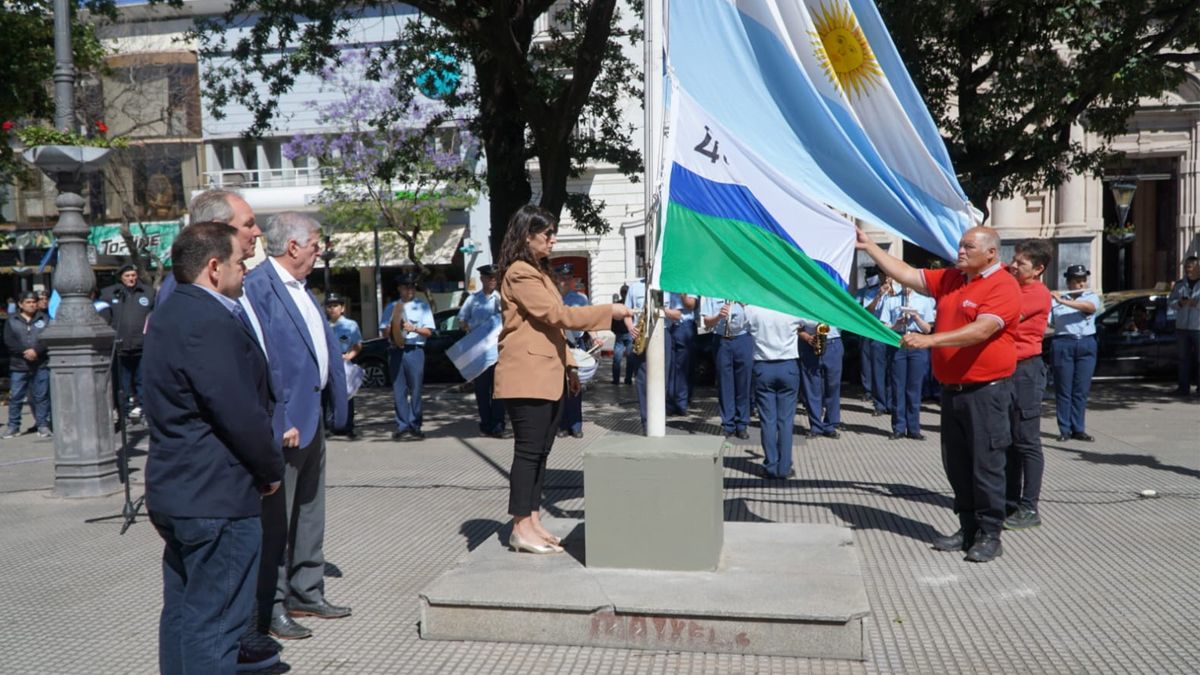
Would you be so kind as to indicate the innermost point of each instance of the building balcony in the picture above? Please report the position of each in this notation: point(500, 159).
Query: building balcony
point(270, 190)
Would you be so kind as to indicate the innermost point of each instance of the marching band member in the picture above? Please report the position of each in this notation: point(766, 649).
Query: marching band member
point(821, 377)
point(911, 313)
point(776, 385)
point(1074, 356)
point(734, 360)
point(680, 311)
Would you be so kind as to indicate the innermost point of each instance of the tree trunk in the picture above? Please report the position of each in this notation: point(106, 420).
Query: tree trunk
point(555, 166)
point(504, 148)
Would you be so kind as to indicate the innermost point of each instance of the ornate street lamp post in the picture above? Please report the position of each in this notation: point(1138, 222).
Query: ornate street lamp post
point(78, 340)
point(1122, 192)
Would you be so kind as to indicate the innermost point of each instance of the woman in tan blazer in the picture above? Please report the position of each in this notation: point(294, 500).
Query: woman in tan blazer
point(535, 368)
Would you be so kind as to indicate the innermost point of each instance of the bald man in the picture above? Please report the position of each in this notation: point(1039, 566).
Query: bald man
point(974, 357)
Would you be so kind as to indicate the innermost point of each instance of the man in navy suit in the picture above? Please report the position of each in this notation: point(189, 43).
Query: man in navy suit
point(212, 453)
point(306, 367)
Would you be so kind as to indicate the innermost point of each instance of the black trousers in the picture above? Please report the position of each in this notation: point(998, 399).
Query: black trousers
point(1025, 461)
point(976, 433)
point(534, 425)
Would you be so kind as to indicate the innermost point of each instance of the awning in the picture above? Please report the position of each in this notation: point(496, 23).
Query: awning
point(357, 249)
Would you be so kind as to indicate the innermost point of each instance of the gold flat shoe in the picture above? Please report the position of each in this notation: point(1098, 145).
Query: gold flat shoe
point(518, 544)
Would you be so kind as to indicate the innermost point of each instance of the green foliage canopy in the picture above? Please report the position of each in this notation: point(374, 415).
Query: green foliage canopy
point(553, 98)
point(1005, 81)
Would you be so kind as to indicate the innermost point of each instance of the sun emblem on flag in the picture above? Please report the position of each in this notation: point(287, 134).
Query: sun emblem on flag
point(843, 50)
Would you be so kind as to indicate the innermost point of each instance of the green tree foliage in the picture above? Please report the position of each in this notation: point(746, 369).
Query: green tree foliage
point(523, 95)
point(1006, 80)
point(27, 66)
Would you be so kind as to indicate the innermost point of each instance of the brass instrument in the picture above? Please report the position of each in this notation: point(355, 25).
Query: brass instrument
point(643, 329)
point(819, 339)
point(729, 320)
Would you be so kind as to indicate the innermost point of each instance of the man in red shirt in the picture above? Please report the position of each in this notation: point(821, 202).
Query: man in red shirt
point(1025, 462)
point(974, 357)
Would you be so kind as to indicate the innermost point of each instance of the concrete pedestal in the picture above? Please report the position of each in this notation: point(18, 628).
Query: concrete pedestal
point(780, 589)
point(654, 503)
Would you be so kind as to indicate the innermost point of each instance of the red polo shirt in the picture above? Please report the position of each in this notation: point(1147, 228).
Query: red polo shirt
point(994, 295)
point(1035, 312)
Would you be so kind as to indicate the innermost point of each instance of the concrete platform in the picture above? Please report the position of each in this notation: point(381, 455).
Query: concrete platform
point(780, 590)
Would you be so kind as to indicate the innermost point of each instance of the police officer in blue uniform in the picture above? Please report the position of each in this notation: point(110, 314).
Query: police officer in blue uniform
point(349, 340)
point(680, 312)
point(483, 307)
point(406, 336)
point(909, 312)
point(570, 423)
point(821, 378)
point(734, 359)
point(1073, 351)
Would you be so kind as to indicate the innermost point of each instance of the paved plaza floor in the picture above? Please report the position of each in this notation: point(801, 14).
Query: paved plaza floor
point(1108, 584)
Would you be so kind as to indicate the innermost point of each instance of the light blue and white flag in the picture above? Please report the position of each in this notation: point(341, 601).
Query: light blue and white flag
point(816, 89)
point(478, 350)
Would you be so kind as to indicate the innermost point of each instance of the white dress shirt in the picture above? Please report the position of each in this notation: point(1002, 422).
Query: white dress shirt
point(312, 318)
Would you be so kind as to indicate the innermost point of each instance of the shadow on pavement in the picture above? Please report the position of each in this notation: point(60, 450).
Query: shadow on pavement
point(479, 530)
point(1126, 459)
point(869, 518)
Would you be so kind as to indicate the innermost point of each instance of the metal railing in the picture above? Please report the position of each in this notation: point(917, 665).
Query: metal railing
point(300, 176)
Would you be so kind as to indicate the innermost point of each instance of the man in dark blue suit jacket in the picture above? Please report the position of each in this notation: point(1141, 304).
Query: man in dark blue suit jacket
point(306, 367)
point(212, 453)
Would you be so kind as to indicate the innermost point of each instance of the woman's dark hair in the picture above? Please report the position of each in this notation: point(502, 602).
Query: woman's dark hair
point(527, 221)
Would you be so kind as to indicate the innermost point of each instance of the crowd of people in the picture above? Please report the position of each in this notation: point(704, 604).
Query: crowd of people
point(243, 375)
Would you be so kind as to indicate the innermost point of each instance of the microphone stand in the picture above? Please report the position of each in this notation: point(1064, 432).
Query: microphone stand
point(130, 509)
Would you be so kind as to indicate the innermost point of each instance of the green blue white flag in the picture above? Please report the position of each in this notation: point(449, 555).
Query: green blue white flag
point(736, 228)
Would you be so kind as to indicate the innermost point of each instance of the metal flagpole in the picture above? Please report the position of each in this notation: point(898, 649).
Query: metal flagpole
point(656, 389)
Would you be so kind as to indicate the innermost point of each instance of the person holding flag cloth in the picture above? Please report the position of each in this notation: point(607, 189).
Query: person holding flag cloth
point(973, 353)
point(482, 308)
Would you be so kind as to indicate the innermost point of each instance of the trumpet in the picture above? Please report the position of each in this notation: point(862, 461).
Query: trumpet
point(822, 334)
point(729, 320)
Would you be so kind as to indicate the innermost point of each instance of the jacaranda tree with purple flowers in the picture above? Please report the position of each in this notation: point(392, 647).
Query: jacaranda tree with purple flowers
point(542, 82)
point(398, 164)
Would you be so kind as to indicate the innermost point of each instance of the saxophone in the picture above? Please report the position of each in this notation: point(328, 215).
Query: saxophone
point(819, 339)
point(643, 329)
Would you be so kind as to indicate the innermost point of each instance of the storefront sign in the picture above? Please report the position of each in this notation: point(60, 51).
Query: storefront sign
point(154, 239)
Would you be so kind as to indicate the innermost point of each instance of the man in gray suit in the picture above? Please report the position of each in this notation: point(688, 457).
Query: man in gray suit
point(306, 366)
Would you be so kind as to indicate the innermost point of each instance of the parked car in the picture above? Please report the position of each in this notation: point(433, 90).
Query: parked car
point(1135, 334)
point(438, 368)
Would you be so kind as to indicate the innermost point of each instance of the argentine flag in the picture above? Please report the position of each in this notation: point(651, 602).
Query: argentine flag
point(478, 350)
point(736, 228)
point(816, 89)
